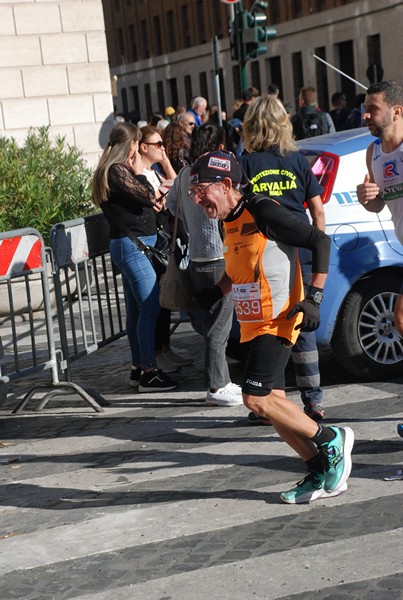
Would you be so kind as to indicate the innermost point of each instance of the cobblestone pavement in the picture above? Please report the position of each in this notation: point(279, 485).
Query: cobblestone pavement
point(163, 498)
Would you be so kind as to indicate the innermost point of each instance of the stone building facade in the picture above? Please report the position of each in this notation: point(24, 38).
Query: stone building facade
point(54, 71)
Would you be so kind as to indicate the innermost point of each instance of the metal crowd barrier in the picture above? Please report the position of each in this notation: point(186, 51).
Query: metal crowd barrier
point(88, 288)
point(77, 276)
point(27, 330)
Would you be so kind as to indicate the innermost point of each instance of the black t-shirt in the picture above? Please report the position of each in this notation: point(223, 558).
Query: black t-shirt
point(129, 204)
point(287, 179)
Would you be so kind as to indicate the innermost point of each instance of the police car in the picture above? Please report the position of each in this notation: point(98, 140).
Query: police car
point(366, 261)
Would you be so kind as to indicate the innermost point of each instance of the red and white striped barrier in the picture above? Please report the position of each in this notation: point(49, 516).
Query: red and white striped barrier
point(19, 254)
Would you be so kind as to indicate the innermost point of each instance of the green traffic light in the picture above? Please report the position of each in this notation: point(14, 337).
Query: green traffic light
point(266, 33)
point(249, 33)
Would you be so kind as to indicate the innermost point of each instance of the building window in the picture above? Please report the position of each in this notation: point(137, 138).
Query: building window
point(149, 103)
point(132, 44)
point(374, 57)
point(121, 45)
point(173, 86)
point(125, 104)
point(201, 25)
point(157, 36)
point(345, 51)
point(219, 31)
point(185, 26)
point(255, 74)
point(135, 96)
point(188, 89)
point(171, 31)
point(203, 84)
point(321, 80)
point(144, 38)
point(160, 96)
point(296, 9)
point(274, 10)
point(222, 90)
point(274, 75)
point(297, 73)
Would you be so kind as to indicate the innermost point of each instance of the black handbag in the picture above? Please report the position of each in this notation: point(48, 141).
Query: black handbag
point(158, 258)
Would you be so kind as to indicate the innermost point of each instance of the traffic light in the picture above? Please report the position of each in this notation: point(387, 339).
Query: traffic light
point(255, 32)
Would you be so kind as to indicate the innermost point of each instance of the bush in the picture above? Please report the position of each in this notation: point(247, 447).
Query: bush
point(42, 183)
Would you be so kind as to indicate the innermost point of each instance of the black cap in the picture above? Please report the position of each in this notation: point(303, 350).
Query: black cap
point(214, 166)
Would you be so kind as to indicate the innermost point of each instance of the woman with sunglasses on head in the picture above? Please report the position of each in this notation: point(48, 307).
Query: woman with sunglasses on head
point(129, 204)
point(160, 174)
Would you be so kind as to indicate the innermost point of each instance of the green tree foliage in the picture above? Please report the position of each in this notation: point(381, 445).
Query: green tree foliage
point(42, 183)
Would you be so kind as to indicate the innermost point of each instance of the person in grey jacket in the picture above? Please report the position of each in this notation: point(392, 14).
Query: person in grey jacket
point(206, 267)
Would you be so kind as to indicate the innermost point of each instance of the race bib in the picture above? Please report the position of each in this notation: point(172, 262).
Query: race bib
point(247, 301)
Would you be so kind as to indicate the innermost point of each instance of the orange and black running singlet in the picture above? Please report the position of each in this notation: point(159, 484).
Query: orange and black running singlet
point(266, 280)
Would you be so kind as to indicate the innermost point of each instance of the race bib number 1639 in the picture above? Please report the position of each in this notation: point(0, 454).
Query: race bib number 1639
point(247, 301)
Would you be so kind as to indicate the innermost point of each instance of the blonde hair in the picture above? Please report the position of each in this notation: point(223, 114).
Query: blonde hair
point(266, 124)
point(116, 152)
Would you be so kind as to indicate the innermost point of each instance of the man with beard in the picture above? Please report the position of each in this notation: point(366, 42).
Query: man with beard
point(383, 184)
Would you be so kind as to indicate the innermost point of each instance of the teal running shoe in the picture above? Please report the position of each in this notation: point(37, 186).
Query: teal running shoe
point(336, 457)
point(310, 488)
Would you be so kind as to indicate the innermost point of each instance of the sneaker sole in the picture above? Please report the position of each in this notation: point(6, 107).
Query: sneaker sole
point(321, 494)
point(143, 389)
point(347, 449)
point(218, 403)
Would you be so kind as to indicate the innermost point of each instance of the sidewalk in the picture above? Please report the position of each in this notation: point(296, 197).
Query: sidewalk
point(161, 497)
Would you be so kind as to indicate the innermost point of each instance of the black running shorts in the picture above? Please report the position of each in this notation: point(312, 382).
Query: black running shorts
point(266, 358)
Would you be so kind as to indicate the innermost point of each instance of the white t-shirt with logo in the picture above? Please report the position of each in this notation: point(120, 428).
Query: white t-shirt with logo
point(387, 168)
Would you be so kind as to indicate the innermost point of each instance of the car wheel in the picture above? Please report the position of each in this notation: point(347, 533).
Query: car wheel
point(366, 342)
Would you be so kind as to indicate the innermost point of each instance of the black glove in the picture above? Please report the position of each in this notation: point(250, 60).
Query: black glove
point(311, 310)
point(207, 297)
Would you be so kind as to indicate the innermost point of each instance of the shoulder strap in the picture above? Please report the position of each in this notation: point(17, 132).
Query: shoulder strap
point(175, 227)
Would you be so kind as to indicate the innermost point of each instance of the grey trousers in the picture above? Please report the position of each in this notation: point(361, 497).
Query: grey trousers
point(214, 325)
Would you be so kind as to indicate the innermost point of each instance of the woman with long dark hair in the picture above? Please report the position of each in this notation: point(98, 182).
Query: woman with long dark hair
point(130, 205)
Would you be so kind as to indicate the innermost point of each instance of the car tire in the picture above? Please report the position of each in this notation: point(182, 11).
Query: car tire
point(365, 341)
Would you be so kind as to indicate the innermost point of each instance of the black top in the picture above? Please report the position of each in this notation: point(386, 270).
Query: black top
point(288, 178)
point(129, 204)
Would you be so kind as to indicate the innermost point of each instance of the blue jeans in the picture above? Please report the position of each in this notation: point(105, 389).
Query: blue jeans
point(141, 297)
